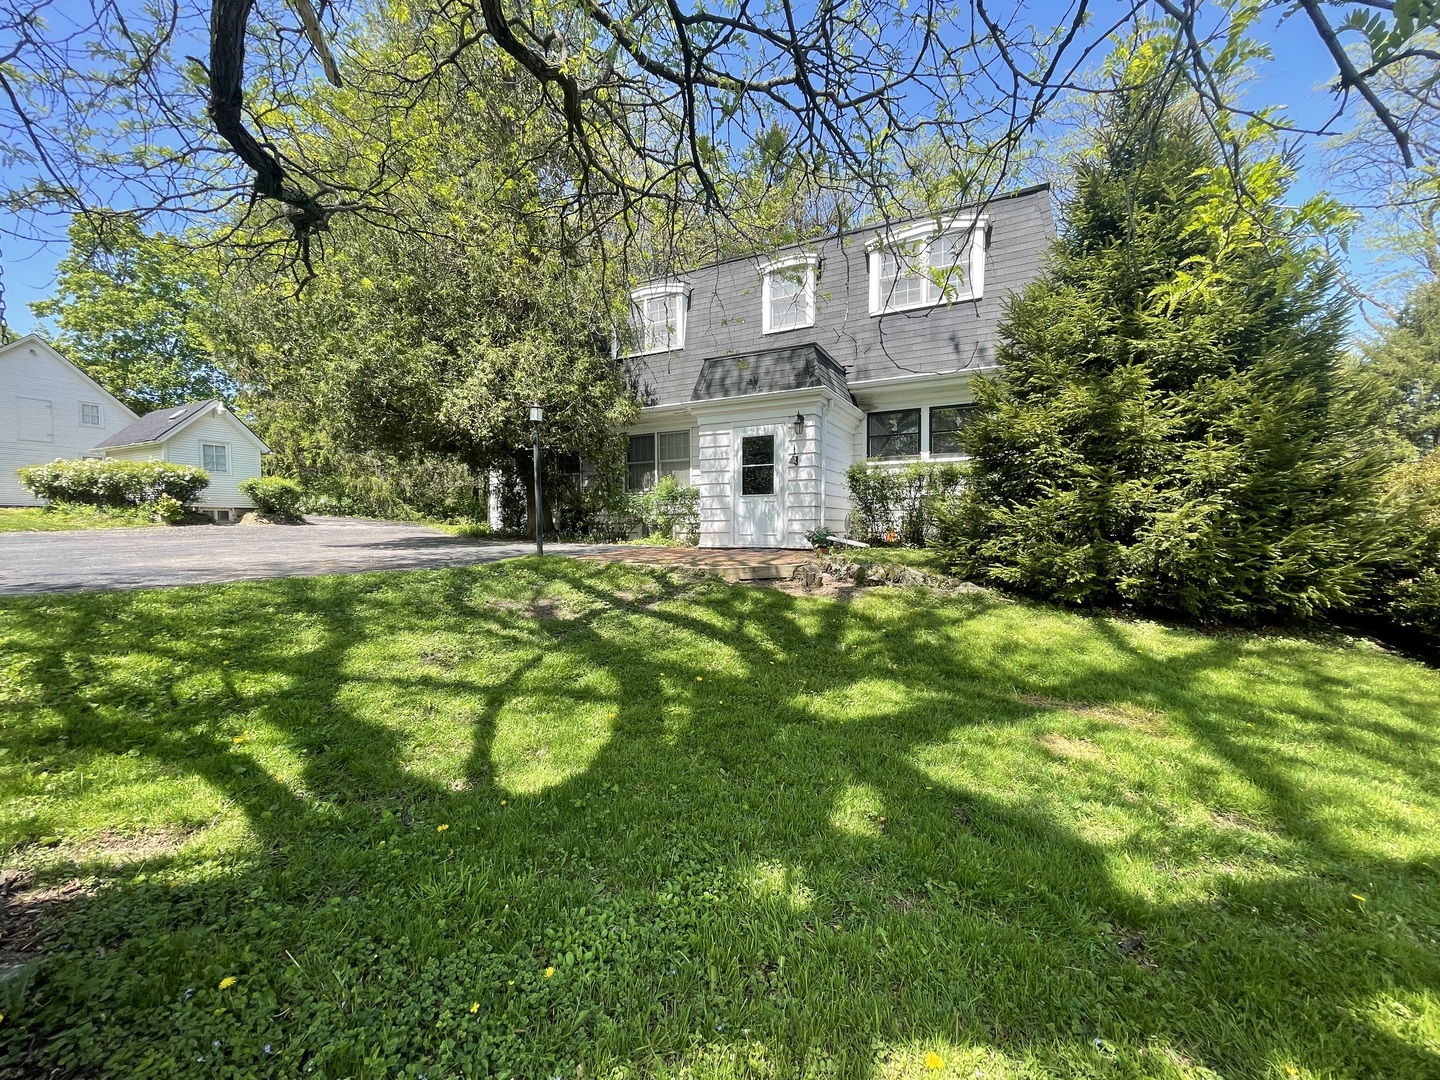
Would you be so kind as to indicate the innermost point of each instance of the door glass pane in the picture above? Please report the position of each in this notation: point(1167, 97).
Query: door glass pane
point(757, 465)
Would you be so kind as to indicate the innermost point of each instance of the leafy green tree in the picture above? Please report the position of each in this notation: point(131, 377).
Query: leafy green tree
point(127, 304)
point(1406, 359)
point(1173, 426)
point(427, 343)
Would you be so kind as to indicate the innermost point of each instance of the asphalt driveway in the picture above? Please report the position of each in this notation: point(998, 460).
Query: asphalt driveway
point(205, 554)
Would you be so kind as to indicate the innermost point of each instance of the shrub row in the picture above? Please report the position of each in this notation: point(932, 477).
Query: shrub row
point(105, 482)
point(891, 503)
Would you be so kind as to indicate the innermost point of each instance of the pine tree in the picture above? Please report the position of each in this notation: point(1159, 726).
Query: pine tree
point(1173, 426)
point(1406, 358)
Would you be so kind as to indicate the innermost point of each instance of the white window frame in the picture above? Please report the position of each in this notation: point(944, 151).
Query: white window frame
point(972, 285)
point(228, 456)
point(660, 462)
point(99, 414)
point(657, 463)
point(659, 290)
point(768, 271)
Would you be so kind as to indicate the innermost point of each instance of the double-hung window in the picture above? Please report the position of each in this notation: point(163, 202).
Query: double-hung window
point(660, 312)
point(650, 457)
point(215, 457)
point(788, 293)
point(925, 265)
point(893, 434)
point(89, 414)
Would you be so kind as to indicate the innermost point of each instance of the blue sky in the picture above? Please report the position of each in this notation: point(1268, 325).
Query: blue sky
point(1295, 78)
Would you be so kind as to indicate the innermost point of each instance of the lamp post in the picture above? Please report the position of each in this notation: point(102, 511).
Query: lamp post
point(537, 414)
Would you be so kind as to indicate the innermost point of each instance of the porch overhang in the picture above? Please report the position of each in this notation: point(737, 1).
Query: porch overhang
point(769, 372)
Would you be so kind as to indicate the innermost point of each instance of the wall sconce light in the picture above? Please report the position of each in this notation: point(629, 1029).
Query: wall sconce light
point(799, 424)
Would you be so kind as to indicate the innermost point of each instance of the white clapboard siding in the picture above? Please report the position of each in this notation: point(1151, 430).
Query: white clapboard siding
point(714, 483)
point(41, 394)
point(841, 428)
point(183, 448)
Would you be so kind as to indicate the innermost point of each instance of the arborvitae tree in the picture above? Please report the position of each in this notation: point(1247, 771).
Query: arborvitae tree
point(1173, 426)
point(1406, 358)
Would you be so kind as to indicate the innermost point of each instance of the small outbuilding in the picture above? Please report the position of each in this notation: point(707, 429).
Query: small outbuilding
point(203, 433)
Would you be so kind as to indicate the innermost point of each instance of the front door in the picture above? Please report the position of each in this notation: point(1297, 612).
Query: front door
point(759, 487)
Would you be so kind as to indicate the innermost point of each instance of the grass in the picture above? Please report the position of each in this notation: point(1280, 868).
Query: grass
point(62, 517)
point(549, 818)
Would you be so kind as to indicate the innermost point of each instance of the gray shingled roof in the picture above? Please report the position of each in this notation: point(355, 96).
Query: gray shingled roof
point(769, 371)
point(154, 426)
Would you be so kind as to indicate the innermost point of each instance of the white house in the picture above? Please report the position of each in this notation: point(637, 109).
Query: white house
point(203, 433)
point(49, 409)
point(763, 379)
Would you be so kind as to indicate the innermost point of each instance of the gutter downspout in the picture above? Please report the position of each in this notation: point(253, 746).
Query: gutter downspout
point(822, 457)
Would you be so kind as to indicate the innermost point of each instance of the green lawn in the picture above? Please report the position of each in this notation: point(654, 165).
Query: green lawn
point(553, 819)
point(61, 518)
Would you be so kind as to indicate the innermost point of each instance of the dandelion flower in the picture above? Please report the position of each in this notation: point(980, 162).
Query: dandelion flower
point(933, 1061)
point(227, 982)
point(475, 1007)
point(549, 971)
point(503, 801)
point(441, 828)
point(699, 679)
point(238, 739)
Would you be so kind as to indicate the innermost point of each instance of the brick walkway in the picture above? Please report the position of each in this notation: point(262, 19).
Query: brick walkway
point(733, 564)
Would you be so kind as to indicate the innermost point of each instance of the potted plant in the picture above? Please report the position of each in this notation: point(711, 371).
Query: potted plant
point(820, 539)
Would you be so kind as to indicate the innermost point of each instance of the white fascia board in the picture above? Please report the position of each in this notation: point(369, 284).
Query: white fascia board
point(652, 415)
point(738, 408)
point(920, 378)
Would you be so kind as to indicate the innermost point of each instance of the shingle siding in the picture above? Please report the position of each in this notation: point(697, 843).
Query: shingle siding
point(725, 310)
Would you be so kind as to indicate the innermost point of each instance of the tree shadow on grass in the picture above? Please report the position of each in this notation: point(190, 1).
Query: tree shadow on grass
point(745, 833)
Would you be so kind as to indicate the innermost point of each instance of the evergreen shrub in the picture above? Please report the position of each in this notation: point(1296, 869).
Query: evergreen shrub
point(274, 495)
point(1406, 590)
point(1173, 425)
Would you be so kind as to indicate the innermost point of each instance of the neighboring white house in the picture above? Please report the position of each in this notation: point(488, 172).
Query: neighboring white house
point(203, 433)
point(49, 409)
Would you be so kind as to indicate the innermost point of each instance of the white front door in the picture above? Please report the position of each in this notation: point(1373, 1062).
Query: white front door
point(759, 486)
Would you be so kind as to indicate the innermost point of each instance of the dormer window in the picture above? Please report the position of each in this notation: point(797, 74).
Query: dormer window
point(925, 265)
point(788, 293)
point(659, 313)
